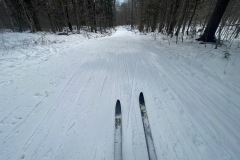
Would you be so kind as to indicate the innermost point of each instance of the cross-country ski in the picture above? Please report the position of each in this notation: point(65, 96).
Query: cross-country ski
point(118, 132)
point(147, 130)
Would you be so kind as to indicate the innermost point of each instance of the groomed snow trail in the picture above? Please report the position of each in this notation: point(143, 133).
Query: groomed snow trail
point(62, 107)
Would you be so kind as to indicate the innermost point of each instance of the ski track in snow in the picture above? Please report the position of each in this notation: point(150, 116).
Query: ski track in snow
point(62, 106)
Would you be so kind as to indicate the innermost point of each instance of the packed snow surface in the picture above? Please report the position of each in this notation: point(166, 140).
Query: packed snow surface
point(58, 102)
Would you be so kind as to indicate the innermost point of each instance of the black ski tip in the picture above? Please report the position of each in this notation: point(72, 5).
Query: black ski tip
point(118, 108)
point(141, 99)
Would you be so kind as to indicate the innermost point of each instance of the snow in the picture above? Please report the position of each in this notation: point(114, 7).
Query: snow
point(57, 100)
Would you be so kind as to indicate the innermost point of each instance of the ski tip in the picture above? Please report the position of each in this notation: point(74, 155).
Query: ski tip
point(141, 99)
point(118, 108)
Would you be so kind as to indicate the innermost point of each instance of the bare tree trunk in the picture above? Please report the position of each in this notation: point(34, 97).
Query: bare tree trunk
point(173, 20)
point(169, 16)
point(219, 35)
point(94, 17)
point(194, 10)
point(68, 19)
point(51, 23)
point(163, 17)
point(185, 20)
point(64, 13)
point(155, 16)
point(141, 26)
point(19, 16)
point(33, 14)
point(49, 14)
point(9, 16)
point(28, 17)
point(76, 14)
point(114, 13)
point(209, 32)
point(184, 9)
point(132, 15)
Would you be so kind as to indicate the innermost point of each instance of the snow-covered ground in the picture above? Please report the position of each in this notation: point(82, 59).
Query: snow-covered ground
point(57, 100)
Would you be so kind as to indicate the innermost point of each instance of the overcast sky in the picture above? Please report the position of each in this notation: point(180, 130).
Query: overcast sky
point(120, 1)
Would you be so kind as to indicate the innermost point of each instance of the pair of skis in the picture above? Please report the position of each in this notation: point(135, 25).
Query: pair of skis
point(146, 126)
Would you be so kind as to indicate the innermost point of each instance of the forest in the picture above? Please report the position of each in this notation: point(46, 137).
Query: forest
point(209, 18)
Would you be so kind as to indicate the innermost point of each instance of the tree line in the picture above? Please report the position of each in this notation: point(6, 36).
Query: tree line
point(183, 17)
point(54, 15)
point(171, 17)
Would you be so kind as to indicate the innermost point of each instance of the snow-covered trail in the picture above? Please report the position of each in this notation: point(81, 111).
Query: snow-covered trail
point(62, 107)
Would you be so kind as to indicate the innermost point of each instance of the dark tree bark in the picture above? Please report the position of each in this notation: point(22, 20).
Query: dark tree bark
point(76, 14)
point(169, 15)
point(185, 20)
point(68, 19)
point(9, 15)
point(180, 22)
point(51, 22)
point(209, 32)
point(28, 16)
point(194, 10)
point(141, 26)
point(132, 21)
point(19, 16)
point(50, 13)
point(33, 13)
point(155, 16)
point(173, 19)
point(114, 13)
point(94, 17)
point(162, 17)
point(82, 11)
